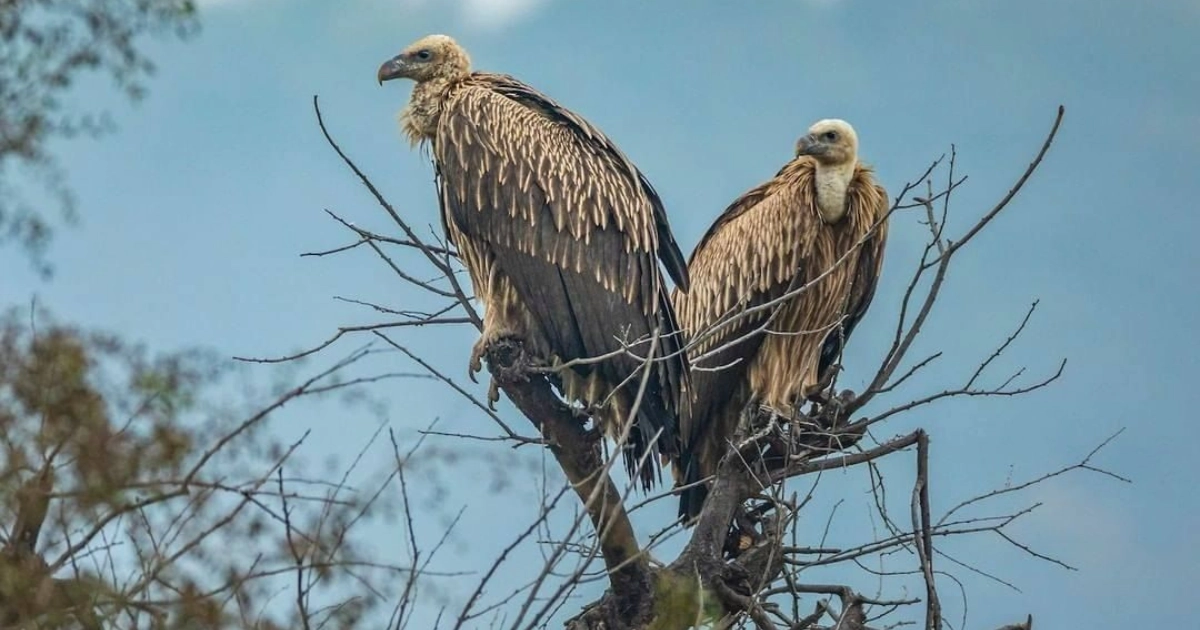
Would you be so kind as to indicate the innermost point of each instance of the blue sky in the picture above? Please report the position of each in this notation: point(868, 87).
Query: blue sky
point(195, 212)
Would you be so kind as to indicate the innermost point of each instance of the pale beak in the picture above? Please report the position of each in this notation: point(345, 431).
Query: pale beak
point(393, 68)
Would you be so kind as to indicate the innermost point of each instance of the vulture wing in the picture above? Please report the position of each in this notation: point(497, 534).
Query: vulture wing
point(576, 228)
point(734, 268)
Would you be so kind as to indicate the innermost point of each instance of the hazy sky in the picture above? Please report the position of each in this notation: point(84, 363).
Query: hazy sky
point(194, 215)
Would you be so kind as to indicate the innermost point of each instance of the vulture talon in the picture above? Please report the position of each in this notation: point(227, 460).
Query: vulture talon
point(820, 391)
point(493, 394)
point(476, 363)
point(480, 350)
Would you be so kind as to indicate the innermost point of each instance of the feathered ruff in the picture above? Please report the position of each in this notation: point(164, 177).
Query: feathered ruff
point(561, 233)
point(768, 242)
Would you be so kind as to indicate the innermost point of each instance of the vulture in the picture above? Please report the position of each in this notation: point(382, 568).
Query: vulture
point(820, 220)
point(562, 237)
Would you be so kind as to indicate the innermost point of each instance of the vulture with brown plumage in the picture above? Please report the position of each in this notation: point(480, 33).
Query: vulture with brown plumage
point(561, 235)
point(820, 220)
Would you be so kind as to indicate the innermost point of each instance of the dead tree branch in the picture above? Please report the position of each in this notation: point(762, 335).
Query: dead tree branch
point(734, 566)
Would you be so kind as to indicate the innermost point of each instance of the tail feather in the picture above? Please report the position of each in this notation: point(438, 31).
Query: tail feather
point(655, 433)
point(691, 500)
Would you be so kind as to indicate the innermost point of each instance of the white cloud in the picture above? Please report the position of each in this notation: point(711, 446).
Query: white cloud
point(496, 13)
point(482, 15)
point(210, 4)
point(486, 14)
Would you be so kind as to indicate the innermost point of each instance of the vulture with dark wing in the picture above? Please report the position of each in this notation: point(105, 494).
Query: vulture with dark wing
point(561, 235)
point(820, 224)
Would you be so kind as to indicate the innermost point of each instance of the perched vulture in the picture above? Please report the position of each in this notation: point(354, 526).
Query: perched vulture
point(820, 208)
point(561, 235)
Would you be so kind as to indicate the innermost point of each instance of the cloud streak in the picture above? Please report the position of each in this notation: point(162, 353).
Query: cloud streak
point(497, 13)
point(486, 14)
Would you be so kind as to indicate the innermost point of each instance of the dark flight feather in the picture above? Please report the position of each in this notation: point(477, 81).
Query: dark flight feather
point(577, 230)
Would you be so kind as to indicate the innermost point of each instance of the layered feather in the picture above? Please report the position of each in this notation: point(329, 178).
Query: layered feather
point(562, 235)
point(766, 244)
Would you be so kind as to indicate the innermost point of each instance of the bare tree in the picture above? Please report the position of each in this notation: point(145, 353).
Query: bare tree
point(46, 47)
point(139, 490)
point(135, 492)
point(743, 564)
point(127, 478)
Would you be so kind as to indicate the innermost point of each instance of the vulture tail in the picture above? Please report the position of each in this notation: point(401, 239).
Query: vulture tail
point(653, 415)
point(691, 500)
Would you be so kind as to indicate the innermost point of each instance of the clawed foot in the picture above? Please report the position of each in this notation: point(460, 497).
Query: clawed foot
point(819, 392)
point(493, 396)
point(832, 408)
point(478, 352)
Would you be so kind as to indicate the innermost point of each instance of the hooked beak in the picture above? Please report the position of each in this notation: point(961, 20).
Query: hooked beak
point(393, 68)
point(810, 145)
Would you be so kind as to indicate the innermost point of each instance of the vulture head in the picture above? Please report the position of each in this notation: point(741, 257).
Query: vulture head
point(428, 58)
point(832, 142)
point(834, 145)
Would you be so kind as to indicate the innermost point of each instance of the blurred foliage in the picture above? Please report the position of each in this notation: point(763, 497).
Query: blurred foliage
point(46, 48)
point(133, 495)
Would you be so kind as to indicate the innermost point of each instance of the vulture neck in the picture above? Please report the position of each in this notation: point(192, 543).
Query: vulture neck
point(833, 181)
point(419, 118)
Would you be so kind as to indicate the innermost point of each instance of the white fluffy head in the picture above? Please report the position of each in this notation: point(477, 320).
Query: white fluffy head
point(428, 58)
point(831, 141)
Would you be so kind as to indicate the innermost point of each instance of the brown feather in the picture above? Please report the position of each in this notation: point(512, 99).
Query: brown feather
point(561, 235)
point(767, 242)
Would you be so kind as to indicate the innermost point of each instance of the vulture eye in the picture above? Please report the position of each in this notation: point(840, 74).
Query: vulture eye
point(424, 55)
point(830, 135)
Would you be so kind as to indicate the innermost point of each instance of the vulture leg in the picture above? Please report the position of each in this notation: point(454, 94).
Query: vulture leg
point(817, 392)
point(480, 350)
point(500, 326)
point(489, 337)
point(498, 334)
point(493, 394)
point(831, 411)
